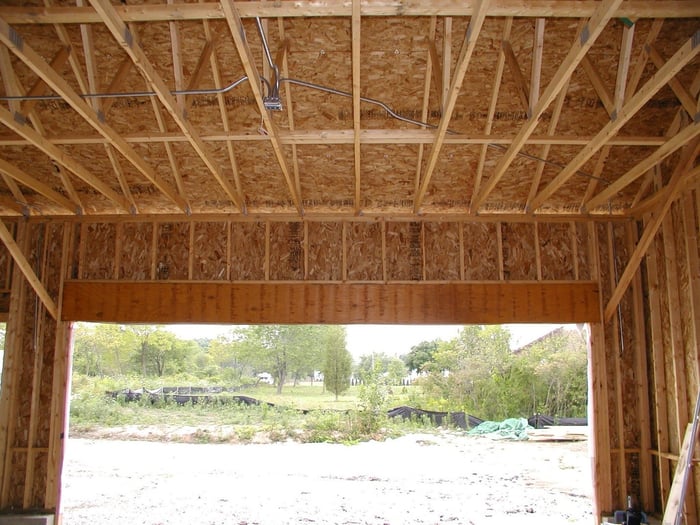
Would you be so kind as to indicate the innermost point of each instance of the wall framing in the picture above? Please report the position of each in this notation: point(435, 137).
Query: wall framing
point(636, 416)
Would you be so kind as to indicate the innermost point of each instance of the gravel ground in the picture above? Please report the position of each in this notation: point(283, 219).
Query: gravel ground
point(419, 478)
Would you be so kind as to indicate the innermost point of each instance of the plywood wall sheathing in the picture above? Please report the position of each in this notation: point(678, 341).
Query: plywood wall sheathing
point(248, 251)
point(27, 433)
point(325, 252)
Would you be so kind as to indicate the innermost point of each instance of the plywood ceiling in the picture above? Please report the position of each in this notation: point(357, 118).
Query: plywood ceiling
point(402, 109)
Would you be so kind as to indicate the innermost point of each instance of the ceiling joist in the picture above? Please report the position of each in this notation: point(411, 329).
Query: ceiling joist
point(473, 30)
point(17, 123)
point(126, 40)
point(238, 33)
point(95, 118)
point(585, 38)
point(682, 57)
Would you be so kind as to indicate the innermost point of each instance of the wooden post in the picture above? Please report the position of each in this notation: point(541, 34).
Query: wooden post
point(598, 400)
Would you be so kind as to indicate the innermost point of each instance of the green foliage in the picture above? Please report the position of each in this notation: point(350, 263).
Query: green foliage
point(285, 351)
point(337, 366)
point(478, 373)
point(420, 354)
point(374, 394)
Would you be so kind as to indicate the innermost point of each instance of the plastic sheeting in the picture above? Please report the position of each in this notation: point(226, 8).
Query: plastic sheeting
point(513, 428)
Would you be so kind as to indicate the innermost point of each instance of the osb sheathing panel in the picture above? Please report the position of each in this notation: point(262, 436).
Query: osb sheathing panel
point(442, 251)
point(451, 189)
point(583, 251)
point(388, 162)
point(286, 251)
point(404, 251)
point(17, 479)
point(137, 251)
point(556, 251)
point(325, 257)
point(666, 352)
point(210, 242)
point(172, 252)
point(611, 349)
point(686, 312)
point(38, 491)
point(262, 178)
point(481, 258)
point(248, 251)
point(98, 251)
point(364, 257)
point(322, 167)
point(519, 251)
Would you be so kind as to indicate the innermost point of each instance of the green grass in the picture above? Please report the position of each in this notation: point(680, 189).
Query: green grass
point(326, 420)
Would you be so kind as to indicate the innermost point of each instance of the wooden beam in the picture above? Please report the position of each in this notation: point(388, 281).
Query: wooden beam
point(356, 59)
point(446, 68)
point(584, 41)
point(17, 123)
point(177, 61)
point(520, 83)
point(117, 80)
point(623, 65)
point(126, 39)
point(199, 70)
point(281, 58)
point(218, 83)
point(435, 60)
point(473, 30)
point(27, 271)
point(175, 170)
point(544, 153)
point(13, 87)
point(40, 87)
point(678, 141)
point(658, 365)
point(237, 32)
point(507, 27)
point(686, 99)
point(123, 183)
point(311, 8)
point(23, 178)
point(33, 60)
point(682, 57)
point(678, 177)
point(336, 303)
point(598, 85)
point(432, 64)
point(346, 136)
point(536, 69)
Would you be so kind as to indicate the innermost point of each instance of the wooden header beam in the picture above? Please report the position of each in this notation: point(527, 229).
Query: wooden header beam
point(633, 9)
point(332, 303)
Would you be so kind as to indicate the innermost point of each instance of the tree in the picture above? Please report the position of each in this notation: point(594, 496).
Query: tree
point(396, 371)
point(103, 349)
point(282, 350)
point(420, 355)
point(469, 372)
point(337, 366)
point(373, 395)
point(374, 362)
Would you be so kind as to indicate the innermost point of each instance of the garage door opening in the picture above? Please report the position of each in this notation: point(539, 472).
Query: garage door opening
point(186, 405)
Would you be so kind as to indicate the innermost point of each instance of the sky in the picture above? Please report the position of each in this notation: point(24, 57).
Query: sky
point(390, 339)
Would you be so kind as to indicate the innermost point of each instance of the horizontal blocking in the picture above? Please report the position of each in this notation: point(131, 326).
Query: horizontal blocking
point(331, 303)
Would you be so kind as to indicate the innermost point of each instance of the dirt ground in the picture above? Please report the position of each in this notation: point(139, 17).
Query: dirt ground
point(419, 478)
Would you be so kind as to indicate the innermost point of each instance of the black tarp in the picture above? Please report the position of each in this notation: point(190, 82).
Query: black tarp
point(541, 421)
point(457, 419)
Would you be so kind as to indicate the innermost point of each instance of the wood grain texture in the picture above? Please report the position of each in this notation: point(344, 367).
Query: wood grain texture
point(394, 303)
